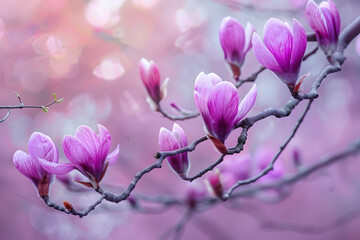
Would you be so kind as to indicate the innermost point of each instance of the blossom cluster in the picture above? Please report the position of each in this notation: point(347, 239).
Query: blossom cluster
point(240, 167)
point(87, 152)
point(218, 102)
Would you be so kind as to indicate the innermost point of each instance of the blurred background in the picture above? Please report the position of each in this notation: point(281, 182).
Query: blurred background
point(88, 52)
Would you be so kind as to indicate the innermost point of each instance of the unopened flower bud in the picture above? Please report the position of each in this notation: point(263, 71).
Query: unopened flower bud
point(169, 141)
point(214, 183)
point(150, 76)
point(325, 20)
point(235, 42)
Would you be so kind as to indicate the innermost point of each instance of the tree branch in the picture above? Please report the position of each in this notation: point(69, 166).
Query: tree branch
point(22, 106)
point(179, 227)
point(348, 34)
point(353, 149)
point(184, 115)
point(270, 167)
point(72, 210)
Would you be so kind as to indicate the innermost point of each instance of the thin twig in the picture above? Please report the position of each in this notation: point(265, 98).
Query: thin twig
point(72, 211)
point(353, 149)
point(251, 78)
point(179, 227)
point(312, 52)
point(22, 106)
point(270, 167)
point(6, 116)
point(183, 116)
point(311, 37)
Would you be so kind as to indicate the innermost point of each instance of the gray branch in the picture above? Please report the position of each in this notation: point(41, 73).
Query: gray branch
point(22, 106)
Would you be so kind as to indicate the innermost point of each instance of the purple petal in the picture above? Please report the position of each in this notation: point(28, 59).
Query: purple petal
point(150, 76)
point(41, 146)
point(316, 20)
point(25, 165)
point(112, 157)
point(223, 106)
point(336, 15)
point(179, 165)
point(105, 143)
point(167, 141)
point(56, 168)
point(205, 82)
point(203, 85)
point(264, 56)
point(232, 39)
point(179, 134)
point(76, 152)
point(89, 140)
point(247, 103)
point(299, 45)
point(329, 20)
point(249, 31)
point(279, 40)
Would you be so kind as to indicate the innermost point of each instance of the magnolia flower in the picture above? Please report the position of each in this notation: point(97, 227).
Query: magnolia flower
point(219, 104)
point(235, 168)
point(194, 193)
point(150, 76)
point(214, 184)
point(262, 158)
point(235, 43)
point(169, 141)
point(40, 147)
point(325, 21)
point(88, 153)
point(282, 50)
point(237, 165)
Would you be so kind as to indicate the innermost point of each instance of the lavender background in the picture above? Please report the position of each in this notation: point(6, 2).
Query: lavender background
point(88, 52)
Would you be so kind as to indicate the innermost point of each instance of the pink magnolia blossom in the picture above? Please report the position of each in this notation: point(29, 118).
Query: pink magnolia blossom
point(219, 104)
point(235, 42)
point(150, 76)
point(169, 141)
point(40, 147)
point(194, 194)
point(88, 152)
point(214, 183)
point(282, 50)
point(237, 165)
point(325, 20)
point(262, 158)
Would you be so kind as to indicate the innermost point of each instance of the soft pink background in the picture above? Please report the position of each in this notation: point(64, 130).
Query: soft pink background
point(88, 52)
